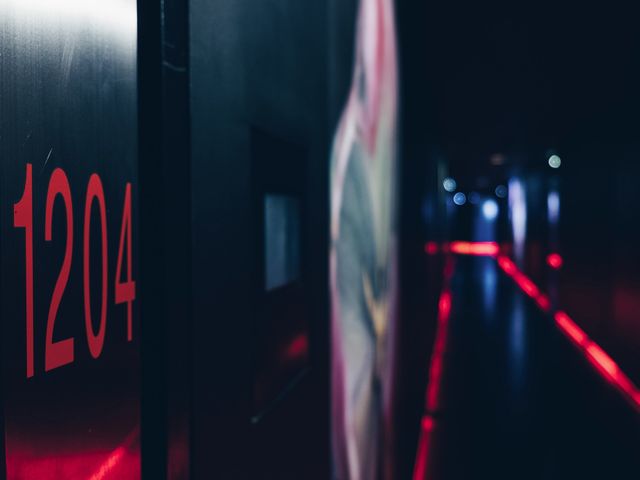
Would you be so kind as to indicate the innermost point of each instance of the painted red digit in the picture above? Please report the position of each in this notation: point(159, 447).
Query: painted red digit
point(95, 191)
point(57, 354)
point(23, 218)
point(125, 292)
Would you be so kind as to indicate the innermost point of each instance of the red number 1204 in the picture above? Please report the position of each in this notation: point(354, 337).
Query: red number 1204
point(61, 352)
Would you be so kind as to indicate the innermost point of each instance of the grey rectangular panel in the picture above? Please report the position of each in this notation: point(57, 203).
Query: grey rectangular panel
point(282, 240)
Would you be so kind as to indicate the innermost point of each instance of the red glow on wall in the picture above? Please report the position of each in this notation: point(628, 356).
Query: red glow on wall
point(123, 462)
point(109, 464)
point(475, 248)
point(555, 261)
point(297, 348)
point(431, 248)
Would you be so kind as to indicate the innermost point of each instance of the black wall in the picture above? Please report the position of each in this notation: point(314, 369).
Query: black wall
point(255, 65)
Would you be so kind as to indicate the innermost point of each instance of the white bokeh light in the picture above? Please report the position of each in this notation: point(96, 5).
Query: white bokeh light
point(490, 209)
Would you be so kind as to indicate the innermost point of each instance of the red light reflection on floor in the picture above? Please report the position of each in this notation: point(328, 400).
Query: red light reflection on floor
point(109, 464)
point(121, 463)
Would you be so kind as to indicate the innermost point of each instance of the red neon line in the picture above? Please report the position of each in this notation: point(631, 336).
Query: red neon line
point(526, 285)
point(436, 368)
point(603, 361)
point(507, 265)
point(489, 249)
point(599, 359)
point(594, 354)
point(543, 302)
point(109, 464)
point(426, 430)
point(568, 326)
point(437, 357)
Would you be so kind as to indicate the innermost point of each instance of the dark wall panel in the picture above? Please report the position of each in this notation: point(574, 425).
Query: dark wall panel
point(255, 66)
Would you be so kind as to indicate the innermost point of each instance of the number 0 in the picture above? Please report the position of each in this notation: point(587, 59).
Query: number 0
point(95, 191)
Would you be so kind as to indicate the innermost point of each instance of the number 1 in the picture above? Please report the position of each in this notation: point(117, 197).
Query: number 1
point(23, 218)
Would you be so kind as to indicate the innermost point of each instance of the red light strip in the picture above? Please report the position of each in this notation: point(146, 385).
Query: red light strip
point(116, 456)
point(424, 445)
point(437, 357)
point(575, 333)
point(436, 368)
point(599, 359)
point(483, 249)
point(525, 283)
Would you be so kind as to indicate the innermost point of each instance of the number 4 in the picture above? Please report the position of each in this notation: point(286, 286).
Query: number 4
point(126, 291)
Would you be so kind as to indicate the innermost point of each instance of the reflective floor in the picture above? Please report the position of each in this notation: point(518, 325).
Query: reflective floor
point(515, 398)
point(511, 393)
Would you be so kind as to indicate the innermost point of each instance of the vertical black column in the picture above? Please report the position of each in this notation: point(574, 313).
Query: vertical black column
point(165, 243)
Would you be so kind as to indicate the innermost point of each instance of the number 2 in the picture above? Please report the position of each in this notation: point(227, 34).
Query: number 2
point(57, 354)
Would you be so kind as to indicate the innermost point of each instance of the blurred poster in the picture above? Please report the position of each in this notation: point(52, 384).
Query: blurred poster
point(363, 256)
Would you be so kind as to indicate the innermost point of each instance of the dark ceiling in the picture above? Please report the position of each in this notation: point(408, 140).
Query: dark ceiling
point(521, 80)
